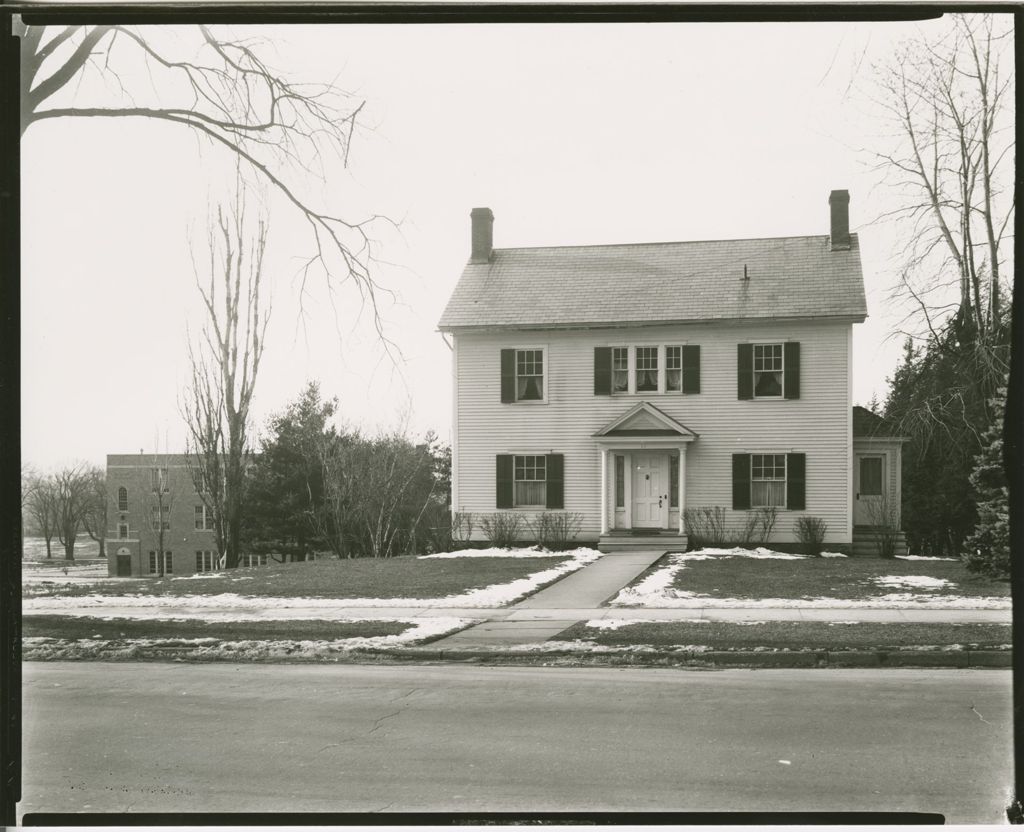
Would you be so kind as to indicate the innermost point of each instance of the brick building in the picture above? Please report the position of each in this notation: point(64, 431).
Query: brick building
point(145, 491)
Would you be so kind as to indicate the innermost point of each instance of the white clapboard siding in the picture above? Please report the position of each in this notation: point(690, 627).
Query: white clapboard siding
point(817, 424)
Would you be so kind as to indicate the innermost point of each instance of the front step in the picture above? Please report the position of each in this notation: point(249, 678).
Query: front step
point(639, 542)
point(865, 542)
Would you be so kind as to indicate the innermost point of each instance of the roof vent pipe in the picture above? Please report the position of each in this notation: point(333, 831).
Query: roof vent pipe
point(482, 235)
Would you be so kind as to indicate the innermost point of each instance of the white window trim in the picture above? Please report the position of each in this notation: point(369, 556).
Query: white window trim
point(754, 372)
point(631, 347)
point(785, 479)
point(531, 506)
point(547, 374)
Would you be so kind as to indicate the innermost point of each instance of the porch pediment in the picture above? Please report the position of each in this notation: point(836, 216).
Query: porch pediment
point(645, 420)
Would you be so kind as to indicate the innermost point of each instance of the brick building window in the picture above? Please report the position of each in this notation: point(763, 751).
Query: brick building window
point(122, 499)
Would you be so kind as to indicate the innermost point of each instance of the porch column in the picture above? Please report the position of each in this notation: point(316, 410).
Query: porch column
point(604, 490)
point(682, 487)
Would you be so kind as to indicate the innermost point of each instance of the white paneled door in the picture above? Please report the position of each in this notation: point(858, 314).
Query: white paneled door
point(650, 490)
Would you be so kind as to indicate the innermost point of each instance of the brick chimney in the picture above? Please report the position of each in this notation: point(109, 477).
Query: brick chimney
point(483, 235)
point(839, 202)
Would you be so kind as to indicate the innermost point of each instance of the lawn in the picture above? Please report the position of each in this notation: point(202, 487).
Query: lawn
point(85, 627)
point(697, 578)
point(789, 635)
point(363, 578)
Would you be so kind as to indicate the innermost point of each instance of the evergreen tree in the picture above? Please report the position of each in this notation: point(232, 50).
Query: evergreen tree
point(987, 550)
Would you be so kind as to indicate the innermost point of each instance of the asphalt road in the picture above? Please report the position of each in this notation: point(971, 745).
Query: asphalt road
point(350, 738)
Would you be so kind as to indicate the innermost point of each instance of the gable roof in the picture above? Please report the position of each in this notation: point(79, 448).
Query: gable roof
point(645, 419)
point(867, 423)
point(648, 283)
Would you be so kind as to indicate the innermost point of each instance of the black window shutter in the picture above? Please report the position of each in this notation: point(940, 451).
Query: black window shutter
point(504, 482)
point(744, 371)
point(796, 481)
point(602, 371)
point(740, 481)
point(556, 481)
point(791, 364)
point(691, 368)
point(508, 375)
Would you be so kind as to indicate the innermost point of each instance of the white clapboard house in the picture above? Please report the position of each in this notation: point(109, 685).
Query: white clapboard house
point(627, 383)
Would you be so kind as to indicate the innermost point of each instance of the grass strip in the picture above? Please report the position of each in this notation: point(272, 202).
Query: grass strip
point(793, 635)
point(85, 627)
point(401, 577)
point(840, 578)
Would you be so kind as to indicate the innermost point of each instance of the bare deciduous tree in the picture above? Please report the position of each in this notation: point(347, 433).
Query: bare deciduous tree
point(950, 103)
point(41, 507)
point(225, 362)
point(94, 519)
point(71, 497)
point(221, 90)
point(161, 503)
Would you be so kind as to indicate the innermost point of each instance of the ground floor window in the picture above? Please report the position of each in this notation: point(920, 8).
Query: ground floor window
point(168, 563)
point(530, 477)
point(767, 480)
point(252, 560)
point(207, 561)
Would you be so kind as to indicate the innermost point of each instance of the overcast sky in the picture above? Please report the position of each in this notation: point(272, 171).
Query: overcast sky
point(572, 134)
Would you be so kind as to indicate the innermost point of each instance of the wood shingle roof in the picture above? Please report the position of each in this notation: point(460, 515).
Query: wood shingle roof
point(649, 283)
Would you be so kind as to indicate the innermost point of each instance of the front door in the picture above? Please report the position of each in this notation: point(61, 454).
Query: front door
point(124, 566)
point(869, 490)
point(650, 491)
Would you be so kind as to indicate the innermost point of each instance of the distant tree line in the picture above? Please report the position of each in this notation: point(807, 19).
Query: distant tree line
point(61, 504)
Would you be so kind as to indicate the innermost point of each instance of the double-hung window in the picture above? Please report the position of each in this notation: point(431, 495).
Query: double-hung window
point(530, 478)
point(204, 518)
point(768, 370)
point(206, 561)
point(160, 513)
point(122, 499)
point(673, 369)
point(767, 480)
point(646, 369)
point(168, 563)
point(252, 560)
point(620, 369)
point(529, 375)
point(122, 531)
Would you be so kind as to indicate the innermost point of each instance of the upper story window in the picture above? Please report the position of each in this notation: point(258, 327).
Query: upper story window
point(122, 531)
point(522, 375)
point(620, 369)
point(768, 370)
point(646, 369)
point(530, 481)
point(160, 512)
point(158, 480)
point(767, 480)
point(204, 518)
point(642, 369)
point(122, 499)
point(529, 375)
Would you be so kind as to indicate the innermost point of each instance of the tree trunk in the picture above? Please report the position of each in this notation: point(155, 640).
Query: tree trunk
point(49, 548)
point(103, 547)
point(69, 549)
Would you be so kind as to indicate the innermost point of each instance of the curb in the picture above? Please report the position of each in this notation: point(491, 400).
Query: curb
point(722, 658)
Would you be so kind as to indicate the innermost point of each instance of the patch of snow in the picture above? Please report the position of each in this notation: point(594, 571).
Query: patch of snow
point(740, 552)
point(912, 581)
point(51, 648)
point(833, 555)
point(923, 557)
point(532, 552)
point(225, 603)
point(616, 623)
point(202, 575)
point(897, 599)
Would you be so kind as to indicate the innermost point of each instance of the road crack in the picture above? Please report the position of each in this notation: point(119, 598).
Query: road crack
point(979, 715)
point(379, 720)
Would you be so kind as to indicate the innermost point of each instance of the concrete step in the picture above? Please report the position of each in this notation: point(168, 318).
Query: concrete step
point(638, 543)
point(865, 542)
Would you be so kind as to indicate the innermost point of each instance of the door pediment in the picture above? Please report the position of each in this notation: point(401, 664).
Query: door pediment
point(644, 419)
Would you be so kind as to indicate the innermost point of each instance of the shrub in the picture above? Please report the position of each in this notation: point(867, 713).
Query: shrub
point(811, 533)
point(758, 526)
point(885, 518)
point(555, 530)
point(705, 525)
point(502, 528)
point(463, 523)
